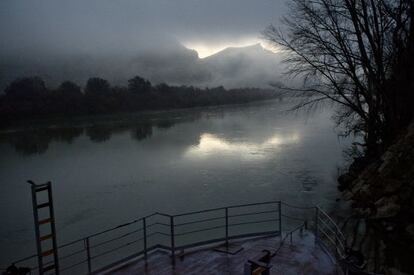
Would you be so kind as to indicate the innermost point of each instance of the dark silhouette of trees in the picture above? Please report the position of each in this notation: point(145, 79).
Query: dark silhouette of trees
point(357, 54)
point(28, 88)
point(139, 85)
point(24, 95)
point(98, 95)
point(30, 98)
point(69, 98)
point(69, 89)
point(96, 86)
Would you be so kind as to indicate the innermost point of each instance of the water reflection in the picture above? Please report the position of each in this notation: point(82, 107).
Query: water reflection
point(308, 178)
point(99, 133)
point(211, 144)
point(124, 166)
point(36, 140)
point(142, 131)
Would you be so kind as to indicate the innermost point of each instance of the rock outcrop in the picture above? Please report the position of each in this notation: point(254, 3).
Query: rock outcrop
point(382, 196)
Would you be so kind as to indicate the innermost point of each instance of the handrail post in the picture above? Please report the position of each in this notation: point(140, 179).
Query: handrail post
point(316, 223)
point(336, 244)
point(280, 218)
point(172, 240)
point(144, 227)
point(88, 254)
point(227, 226)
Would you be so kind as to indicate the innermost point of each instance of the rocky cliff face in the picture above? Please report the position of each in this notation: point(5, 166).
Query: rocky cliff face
point(382, 195)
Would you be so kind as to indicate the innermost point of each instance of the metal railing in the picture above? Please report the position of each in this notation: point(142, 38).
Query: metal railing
point(300, 228)
point(329, 233)
point(330, 236)
point(117, 245)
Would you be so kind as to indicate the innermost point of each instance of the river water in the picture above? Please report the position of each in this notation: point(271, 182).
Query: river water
point(107, 170)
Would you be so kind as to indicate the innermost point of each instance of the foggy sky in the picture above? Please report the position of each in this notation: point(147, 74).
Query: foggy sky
point(82, 26)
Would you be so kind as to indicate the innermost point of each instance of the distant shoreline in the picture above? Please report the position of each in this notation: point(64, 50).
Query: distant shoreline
point(16, 124)
point(29, 98)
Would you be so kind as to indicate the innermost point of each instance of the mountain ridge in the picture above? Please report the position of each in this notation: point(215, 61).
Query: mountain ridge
point(251, 66)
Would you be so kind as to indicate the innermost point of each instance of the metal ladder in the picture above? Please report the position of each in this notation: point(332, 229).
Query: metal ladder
point(48, 225)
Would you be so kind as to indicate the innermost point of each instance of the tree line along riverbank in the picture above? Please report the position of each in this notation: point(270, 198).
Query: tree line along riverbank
point(31, 98)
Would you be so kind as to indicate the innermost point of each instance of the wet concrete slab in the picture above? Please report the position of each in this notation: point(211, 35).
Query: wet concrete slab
point(300, 257)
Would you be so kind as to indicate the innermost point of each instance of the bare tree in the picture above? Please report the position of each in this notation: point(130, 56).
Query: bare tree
point(357, 54)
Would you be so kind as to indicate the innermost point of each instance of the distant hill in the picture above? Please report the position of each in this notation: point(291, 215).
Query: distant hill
point(250, 66)
point(244, 66)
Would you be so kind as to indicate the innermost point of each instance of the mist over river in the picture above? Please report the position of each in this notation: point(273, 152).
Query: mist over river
point(107, 170)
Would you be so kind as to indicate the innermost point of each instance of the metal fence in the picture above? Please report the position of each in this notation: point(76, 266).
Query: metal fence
point(330, 236)
point(111, 247)
point(174, 233)
point(327, 231)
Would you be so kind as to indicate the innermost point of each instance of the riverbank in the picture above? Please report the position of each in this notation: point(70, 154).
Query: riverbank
point(82, 119)
point(29, 98)
point(381, 192)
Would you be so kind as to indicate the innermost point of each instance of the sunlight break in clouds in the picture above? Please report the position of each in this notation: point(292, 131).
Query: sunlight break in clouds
point(211, 144)
point(206, 49)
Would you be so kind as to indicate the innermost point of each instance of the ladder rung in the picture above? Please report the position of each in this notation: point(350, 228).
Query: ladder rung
point(47, 252)
point(50, 267)
point(46, 237)
point(48, 220)
point(43, 205)
point(42, 189)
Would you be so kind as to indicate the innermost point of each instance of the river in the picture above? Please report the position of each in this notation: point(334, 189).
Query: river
point(107, 170)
